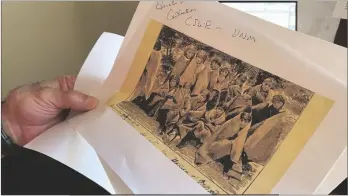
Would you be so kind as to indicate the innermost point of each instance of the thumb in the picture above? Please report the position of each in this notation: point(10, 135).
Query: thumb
point(73, 100)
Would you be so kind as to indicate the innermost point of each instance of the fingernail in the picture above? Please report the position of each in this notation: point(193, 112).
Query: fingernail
point(91, 102)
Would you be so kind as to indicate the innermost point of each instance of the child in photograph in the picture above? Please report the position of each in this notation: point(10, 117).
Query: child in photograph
point(222, 84)
point(161, 78)
point(265, 117)
point(197, 110)
point(222, 80)
point(214, 72)
point(196, 73)
point(263, 92)
point(182, 60)
point(226, 64)
point(177, 53)
point(249, 83)
point(160, 97)
point(205, 127)
point(227, 141)
point(264, 111)
point(177, 110)
point(175, 117)
point(240, 103)
point(236, 89)
point(231, 70)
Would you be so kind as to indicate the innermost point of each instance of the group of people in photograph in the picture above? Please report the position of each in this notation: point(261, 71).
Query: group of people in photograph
point(202, 100)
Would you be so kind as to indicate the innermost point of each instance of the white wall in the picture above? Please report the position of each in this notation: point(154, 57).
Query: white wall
point(42, 40)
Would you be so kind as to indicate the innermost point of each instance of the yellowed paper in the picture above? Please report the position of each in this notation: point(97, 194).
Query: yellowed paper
point(271, 148)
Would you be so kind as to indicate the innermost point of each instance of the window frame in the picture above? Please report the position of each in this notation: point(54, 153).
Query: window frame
point(247, 1)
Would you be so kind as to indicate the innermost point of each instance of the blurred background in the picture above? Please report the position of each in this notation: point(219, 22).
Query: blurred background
point(42, 40)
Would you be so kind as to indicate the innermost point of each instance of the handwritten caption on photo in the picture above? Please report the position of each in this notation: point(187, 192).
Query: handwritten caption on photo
point(173, 12)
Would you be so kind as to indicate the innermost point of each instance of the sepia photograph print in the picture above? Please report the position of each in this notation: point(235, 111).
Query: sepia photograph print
point(212, 114)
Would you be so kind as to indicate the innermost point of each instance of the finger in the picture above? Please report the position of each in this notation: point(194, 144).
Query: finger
point(71, 99)
point(49, 84)
point(64, 83)
point(67, 82)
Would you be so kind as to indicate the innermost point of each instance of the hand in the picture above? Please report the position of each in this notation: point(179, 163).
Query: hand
point(32, 109)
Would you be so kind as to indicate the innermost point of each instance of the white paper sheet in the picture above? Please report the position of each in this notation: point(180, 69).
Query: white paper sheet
point(306, 57)
point(143, 168)
point(142, 10)
point(336, 175)
point(62, 142)
point(99, 63)
point(65, 145)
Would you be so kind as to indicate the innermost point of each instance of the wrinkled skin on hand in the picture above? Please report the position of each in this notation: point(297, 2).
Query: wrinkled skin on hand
point(32, 109)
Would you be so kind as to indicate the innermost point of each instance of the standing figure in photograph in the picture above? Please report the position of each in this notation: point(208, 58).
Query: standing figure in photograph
point(182, 60)
point(144, 87)
point(162, 95)
point(205, 127)
point(196, 73)
point(152, 68)
point(227, 141)
point(263, 92)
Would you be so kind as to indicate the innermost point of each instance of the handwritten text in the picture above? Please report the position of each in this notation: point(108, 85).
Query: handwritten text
point(195, 22)
point(243, 35)
point(173, 14)
point(201, 182)
point(164, 4)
